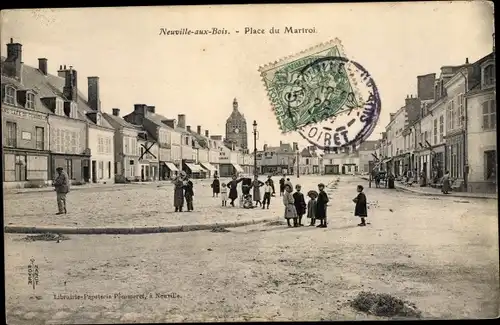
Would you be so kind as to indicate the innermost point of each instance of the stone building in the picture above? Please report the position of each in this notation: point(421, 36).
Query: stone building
point(278, 160)
point(24, 122)
point(236, 128)
point(481, 142)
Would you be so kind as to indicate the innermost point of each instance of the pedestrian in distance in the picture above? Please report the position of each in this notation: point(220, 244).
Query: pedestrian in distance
point(223, 194)
point(312, 206)
point(215, 187)
point(361, 209)
point(289, 203)
point(268, 190)
point(282, 185)
point(321, 205)
point(179, 192)
point(446, 183)
point(188, 193)
point(256, 184)
point(300, 204)
point(271, 183)
point(61, 185)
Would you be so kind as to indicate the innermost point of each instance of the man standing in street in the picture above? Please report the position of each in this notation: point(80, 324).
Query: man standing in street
point(61, 184)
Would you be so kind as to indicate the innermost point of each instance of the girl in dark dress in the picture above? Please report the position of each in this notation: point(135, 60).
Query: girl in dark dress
point(300, 204)
point(233, 189)
point(321, 204)
point(282, 186)
point(215, 187)
point(189, 193)
point(360, 210)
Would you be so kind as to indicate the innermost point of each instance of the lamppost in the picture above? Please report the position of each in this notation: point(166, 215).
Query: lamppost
point(255, 147)
point(298, 160)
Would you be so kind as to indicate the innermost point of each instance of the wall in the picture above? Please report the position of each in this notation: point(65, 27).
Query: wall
point(25, 122)
point(60, 129)
point(202, 155)
point(478, 139)
point(101, 144)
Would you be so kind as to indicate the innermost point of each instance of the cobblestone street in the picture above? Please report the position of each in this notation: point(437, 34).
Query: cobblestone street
point(440, 253)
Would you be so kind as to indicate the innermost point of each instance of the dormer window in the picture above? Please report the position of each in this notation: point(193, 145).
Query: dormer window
point(489, 75)
point(30, 100)
point(10, 95)
point(98, 119)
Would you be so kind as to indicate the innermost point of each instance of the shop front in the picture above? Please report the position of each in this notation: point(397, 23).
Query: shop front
point(455, 156)
point(23, 166)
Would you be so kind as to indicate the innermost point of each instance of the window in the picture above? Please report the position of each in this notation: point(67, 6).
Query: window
point(11, 140)
point(126, 145)
point(435, 131)
point(10, 95)
point(426, 138)
point(101, 169)
point(186, 141)
point(30, 100)
point(100, 145)
point(460, 111)
point(109, 169)
point(489, 115)
point(69, 168)
point(39, 136)
point(441, 129)
point(489, 75)
point(490, 165)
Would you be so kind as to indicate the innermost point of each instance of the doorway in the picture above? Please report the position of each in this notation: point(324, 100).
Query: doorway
point(343, 170)
point(94, 171)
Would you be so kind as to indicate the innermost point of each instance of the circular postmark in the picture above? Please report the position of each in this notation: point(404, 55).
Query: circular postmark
point(340, 116)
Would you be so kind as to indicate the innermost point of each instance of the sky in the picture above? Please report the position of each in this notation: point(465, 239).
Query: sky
point(200, 75)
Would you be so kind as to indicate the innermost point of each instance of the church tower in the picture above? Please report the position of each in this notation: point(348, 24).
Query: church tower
point(236, 127)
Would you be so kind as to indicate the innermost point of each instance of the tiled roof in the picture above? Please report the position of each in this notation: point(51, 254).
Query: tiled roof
point(157, 119)
point(50, 86)
point(120, 121)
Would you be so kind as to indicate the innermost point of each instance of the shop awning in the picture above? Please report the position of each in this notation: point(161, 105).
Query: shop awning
point(238, 168)
point(171, 166)
point(194, 168)
point(208, 166)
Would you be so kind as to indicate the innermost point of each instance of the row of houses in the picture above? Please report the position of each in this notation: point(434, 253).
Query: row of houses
point(286, 158)
point(450, 125)
point(47, 123)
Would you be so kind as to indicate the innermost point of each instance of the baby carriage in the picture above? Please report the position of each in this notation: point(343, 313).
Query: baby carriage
point(247, 201)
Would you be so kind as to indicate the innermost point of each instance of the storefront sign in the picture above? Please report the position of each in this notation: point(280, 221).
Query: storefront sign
point(25, 135)
point(23, 114)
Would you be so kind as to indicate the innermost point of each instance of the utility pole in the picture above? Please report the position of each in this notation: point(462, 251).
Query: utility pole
point(255, 148)
point(298, 155)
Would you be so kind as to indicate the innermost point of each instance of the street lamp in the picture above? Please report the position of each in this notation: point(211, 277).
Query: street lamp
point(255, 147)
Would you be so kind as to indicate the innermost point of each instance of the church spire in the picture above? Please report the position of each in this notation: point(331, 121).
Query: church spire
point(235, 104)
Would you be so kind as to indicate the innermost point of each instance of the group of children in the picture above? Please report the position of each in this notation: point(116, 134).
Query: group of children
point(296, 208)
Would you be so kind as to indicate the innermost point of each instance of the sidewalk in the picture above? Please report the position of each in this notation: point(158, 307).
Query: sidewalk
point(429, 191)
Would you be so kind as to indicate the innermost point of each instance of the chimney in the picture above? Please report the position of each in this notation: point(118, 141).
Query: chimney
point(295, 146)
point(70, 90)
point(181, 121)
point(265, 147)
point(42, 65)
point(116, 112)
point(140, 109)
point(151, 109)
point(206, 134)
point(281, 142)
point(12, 64)
point(198, 129)
point(188, 128)
point(61, 72)
point(425, 86)
point(93, 93)
point(466, 60)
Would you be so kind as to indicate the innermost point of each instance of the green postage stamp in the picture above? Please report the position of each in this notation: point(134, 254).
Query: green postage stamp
point(304, 92)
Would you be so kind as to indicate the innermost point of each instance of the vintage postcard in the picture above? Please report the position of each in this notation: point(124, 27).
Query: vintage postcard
point(278, 162)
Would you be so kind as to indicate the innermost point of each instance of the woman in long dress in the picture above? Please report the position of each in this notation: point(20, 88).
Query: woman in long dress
point(178, 194)
point(289, 203)
point(233, 189)
point(446, 183)
point(256, 184)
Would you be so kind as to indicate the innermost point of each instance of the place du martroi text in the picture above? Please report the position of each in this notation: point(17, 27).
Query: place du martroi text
point(242, 31)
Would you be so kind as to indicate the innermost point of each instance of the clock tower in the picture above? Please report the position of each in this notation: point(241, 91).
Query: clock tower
point(236, 127)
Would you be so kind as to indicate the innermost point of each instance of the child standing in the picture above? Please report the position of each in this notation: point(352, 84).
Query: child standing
point(311, 207)
point(321, 204)
point(360, 210)
point(268, 190)
point(215, 186)
point(300, 204)
point(223, 194)
point(288, 202)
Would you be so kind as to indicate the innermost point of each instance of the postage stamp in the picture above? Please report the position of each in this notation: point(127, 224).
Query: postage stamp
point(330, 100)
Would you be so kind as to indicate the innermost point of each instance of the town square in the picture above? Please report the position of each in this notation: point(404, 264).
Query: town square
point(261, 179)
